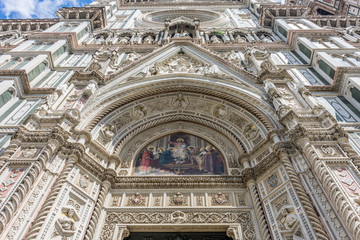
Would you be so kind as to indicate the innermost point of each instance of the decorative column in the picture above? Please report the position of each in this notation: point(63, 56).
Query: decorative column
point(259, 212)
point(304, 199)
point(344, 207)
point(45, 209)
point(97, 210)
point(9, 208)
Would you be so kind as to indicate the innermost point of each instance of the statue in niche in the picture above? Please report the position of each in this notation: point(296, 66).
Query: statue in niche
point(124, 40)
point(239, 39)
point(265, 38)
point(288, 220)
point(183, 33)
point(177, 34)
point(149, 40)
point(215, 39)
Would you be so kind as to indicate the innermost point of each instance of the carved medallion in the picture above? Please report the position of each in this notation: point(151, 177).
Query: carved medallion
point(140, 112)
point(178, 199)
point(29, 152)
point(136, 200)
point(220, 199)
point(273, 180)
point(84, 181)
point(328, 150)
point(220, 111)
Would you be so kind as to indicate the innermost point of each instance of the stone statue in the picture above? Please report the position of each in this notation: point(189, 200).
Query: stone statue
point(132, 57)
point(149, 40)
point(124, 40)
point(239, 39)
point(176, 35)
point(214, 69)
point(215, 39)
point(265, 38)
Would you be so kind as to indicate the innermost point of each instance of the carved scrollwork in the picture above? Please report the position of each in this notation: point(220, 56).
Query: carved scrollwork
point(178, 217)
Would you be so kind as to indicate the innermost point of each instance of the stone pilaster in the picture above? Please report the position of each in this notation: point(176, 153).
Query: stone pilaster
point(259, 212)
point(304, 199)
point(98, 207)
point(45, 209)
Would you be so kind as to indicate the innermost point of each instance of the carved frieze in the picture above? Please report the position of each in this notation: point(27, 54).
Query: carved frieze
point(179, 217)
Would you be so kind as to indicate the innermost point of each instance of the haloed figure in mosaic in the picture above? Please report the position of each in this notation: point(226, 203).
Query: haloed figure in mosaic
point(179, 154)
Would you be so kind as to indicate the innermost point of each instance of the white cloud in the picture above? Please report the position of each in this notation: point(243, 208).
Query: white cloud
point(35, 8)
point(23, 8)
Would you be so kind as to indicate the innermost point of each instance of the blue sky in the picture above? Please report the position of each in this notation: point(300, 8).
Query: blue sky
point(10, 9)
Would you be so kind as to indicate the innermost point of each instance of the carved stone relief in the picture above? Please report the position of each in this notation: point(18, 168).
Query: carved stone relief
point(65, 225)
point(287, 220)
point(29, 152)
point(329, 151)
point(178, 217)
point(180, 63)
point(137, 199)
point(220, 199)
point(178, 199)
point(273, 181)
point(84, 182)
point(115, 201)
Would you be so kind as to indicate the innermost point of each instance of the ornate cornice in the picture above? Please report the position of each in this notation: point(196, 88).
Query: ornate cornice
point(179, 182)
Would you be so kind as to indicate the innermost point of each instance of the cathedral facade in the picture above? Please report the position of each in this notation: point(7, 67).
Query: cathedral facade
point(181, 119)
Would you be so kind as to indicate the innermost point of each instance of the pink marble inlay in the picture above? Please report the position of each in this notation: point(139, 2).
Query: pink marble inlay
point(347, 180)
point(9, 181)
